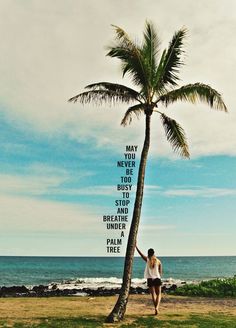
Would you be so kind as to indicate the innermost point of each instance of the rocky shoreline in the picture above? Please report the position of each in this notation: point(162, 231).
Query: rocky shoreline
point(54, 291)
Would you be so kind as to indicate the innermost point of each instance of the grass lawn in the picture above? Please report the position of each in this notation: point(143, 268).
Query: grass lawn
point(91, 312)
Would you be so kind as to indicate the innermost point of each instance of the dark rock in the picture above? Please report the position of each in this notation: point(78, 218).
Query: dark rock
point(54, 286)
point(173, 287)
point(54, 291)
point(163, 289)
point(40, 288)
point(12, 291)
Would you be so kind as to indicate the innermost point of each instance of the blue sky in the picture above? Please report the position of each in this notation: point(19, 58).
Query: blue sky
point(58, 160)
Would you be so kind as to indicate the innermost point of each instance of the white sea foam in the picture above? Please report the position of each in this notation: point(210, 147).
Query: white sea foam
point(106, 283)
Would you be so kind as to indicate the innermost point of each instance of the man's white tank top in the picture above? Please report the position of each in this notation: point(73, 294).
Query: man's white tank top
point(152, 273)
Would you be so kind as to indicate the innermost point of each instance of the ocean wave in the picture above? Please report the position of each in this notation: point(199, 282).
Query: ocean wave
point(107, 283)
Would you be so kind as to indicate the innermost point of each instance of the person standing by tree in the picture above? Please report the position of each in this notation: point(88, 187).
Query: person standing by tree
point(153, 273)
point(156, 76)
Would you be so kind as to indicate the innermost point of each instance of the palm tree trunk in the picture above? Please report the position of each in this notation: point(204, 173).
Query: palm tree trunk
point(119, 309)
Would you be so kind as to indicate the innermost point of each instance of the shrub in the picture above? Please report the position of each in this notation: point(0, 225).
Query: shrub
point(211, 288)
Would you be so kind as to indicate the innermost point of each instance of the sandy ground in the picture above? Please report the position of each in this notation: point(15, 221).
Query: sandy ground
point(139, 305)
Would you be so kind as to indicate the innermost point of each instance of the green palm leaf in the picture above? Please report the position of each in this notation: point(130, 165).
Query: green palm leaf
point(175, 135)
point(119, 88)
point(150, 50)
point(131, 57)
point(101, 96)
point(136, 110)
point(194, 93)
point(171, 60)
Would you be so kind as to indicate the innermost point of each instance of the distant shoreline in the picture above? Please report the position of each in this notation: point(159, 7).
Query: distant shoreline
point(224, 287)
point(55, 290)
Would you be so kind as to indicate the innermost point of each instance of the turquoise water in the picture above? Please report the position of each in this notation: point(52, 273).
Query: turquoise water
point(44, 270)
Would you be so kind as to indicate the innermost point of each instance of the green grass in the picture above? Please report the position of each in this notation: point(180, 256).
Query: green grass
point(58, 323)
point(196, 320)
point(211, 288)
point(211, 320)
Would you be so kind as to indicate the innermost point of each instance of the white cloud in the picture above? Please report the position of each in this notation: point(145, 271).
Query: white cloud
point(48, 181)
point(50, 53)
point(201, 192)
point(40, 179)
point(31, 185)
point(36, 179)
point(23, 214)
point(108, 190)
point(90, 191)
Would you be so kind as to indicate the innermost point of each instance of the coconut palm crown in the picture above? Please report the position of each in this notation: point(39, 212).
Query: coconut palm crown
point(156, 77)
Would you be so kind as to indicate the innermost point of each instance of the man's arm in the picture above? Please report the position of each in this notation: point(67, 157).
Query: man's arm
point(141, 254)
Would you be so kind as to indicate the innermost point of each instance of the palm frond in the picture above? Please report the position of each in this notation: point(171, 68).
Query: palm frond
point(175, 135)
point(131, 57)
point(194, 93)
point(150, 49)
point(101, 96)
point(168, 69)
point(118, 88)
point(136, 110)
point(122, 36)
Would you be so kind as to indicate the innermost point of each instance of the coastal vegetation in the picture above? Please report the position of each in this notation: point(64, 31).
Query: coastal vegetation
point(155, 75)
point(210, 288)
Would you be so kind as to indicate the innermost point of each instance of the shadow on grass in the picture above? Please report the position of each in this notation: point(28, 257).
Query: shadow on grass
point(211, 320)
point(194, 320)
point(60, 323)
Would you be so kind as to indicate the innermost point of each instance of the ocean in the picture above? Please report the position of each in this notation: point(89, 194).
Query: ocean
point(94, 272)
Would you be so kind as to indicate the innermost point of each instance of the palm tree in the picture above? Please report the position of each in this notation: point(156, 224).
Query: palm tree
point(156, 76)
